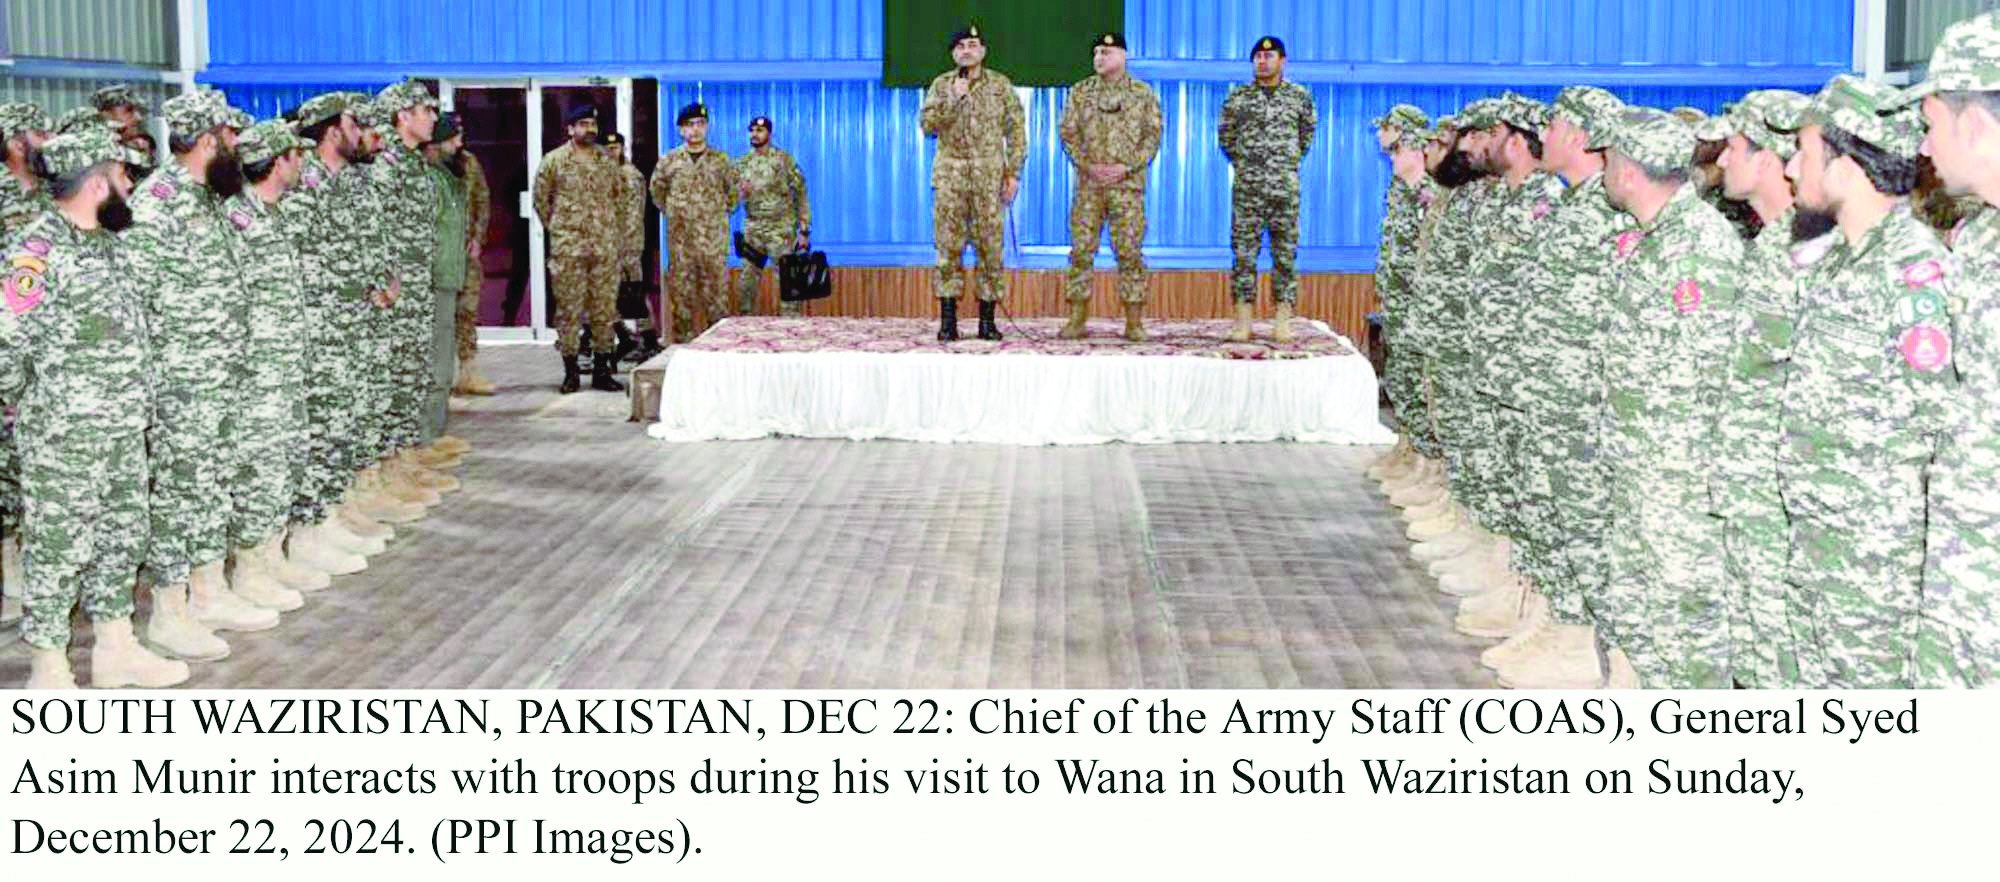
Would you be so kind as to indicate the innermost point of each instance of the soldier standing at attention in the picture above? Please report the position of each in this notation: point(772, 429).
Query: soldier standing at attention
point(982, 141)
point(23, 128)
point(1958, 628)
point(465, 326)
point(1864, 405)
point(445, 154)
point(74, 352)
point(1110, 129)
point(1266, 129)
point(579, 193)
point(777, 219)
point(1401, 133)
point(696, 187)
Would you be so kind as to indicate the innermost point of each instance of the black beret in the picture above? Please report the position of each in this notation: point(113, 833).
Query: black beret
point(763, 121)
point(971, 32)
point(1272, 44)
point(693, 111)
point(580, 113)
point(1109, 38)
point(611, 139)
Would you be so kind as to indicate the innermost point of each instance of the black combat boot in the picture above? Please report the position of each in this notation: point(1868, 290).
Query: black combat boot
point(603, 373)
point(649, 346)
point(987, 331)
point(947, 320)
point(572, 376)
point(626, 345)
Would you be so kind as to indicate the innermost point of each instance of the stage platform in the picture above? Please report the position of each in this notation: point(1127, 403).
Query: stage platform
point(889, 378)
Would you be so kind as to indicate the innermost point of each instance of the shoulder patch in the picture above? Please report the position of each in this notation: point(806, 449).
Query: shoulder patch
point(239, 219)
point(24, 287)
point(1920, 306)
point(163, 190)
point(1426, 197)
point(37, 246)
point(1926, 348)
point(1687, 297)
point(1628, 242)
point(312, 177)
point(1542, 209)
point(1923, 273)
point(1812, 252)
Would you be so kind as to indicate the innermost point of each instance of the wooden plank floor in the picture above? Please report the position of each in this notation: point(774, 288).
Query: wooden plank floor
point(581, 553)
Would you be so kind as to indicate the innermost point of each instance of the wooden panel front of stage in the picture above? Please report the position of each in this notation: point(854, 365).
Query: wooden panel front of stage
point(1342, 301)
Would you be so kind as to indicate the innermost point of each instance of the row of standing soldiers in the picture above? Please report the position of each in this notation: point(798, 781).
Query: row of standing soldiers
point(1650, 449)
point(222, 369)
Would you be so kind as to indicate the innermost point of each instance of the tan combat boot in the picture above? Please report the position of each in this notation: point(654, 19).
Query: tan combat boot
point(175, 633)
point(470, 380)
point(310, 549)
point(1079, 319)
point(1135, 322)
point(1281, 328)
point(1245, 313)
point(1523, 645)
point(290, 573)
point(217, 609)
point(117, 660)
point(49, 669)
point(1494, 614)
point(250, 579)
point(1567, 660)
point(1619, 673)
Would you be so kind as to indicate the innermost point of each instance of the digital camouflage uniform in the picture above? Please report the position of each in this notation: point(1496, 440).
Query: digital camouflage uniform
point(1410, 327)
point(75, 353)
point(407, 198)
point(982, 142)
point(365, 266)
point(1265, 132)
point(19, 205)
point(1438, 311)
point(185, 257)
point(1958, 631)
point(1109, 122)
point(1402, 221)
point(1672, 316)
point(697, 192)
point(478, 213)
point(580, 196)
point(270, 393)
point(773, 214)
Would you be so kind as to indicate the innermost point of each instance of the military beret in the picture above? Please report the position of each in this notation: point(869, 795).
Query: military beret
point(21, 116)
point(115, 96)
point(1873, 112)
point(448, 126)
point(611, 139)
point(1404, 116)
point(969, 32)
point(268, 140)
point(191, 113)
point(695, 111)
point(1770, 119)
point(1967, 59)
point(65, 155)
point(402, 96)
point(763, 122)
point(321, 108)
point(579, 113)
point(77, 119)
point(1588, 108)
point(1269, 44)
point(1653, 138)
point(1109, 38)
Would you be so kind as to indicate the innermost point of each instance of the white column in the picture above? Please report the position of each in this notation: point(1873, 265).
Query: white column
point(538, 295)
point(191, 24)
point(1871, 38)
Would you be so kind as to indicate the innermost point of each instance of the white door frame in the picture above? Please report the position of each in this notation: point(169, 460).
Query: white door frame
point(537, 329)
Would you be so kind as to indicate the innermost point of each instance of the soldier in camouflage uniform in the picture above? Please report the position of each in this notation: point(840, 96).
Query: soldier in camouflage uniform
point(445, 153)
point(1672, 318)
point(982, 137)
point(23, 128)
point(1402, 133)
point(1422, 483)
point(777, 218)
point(1865, 399)
point(77, 119)
point(1744, 488)
point(1958, 628)
point(696, 187)
point(1265, 130)
point(74, 352)
point(1111, 130)
point(1558, 478)
point(123, 109)
point(632, 250)
point(478, 213)
point(579, 193)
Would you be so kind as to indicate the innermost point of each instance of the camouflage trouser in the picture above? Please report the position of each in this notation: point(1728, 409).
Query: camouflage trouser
point(1665, 593)
point(443, 343)
point(1529, 498)
point(1125, 211)
point(1489, 458)
point(697, 275)
point(1567, 455)
point(962, 216)
point(1471, 429)
point(466, 327)
point(10, 477)
point(84, 530)
point(190, 469)
point(1861, 563)
point(410, 356)
point(1421, 423)
point(372, 361)
point(586, 291)
point(271, 449)
point(1754, 551)
point(773, 240)
point(1254, 209)
point(1958, 635)
point(334, 381)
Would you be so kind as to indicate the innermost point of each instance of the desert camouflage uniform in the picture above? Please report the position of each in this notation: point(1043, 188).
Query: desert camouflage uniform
point(697, 192)
point(773, 214)
point(478, 213)
point(580, 196)
point(1109, 122)
point(1265, 132)
point(982, 143)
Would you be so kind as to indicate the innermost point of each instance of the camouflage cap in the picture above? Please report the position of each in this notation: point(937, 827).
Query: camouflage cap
point(1967, 59)
point(321, 108)
point(22, 116)
point(76, 119)
point(366, 111)
point(192, 113)
point(1480, 114)
point(402, 96)
point(1522, 112)
point(65, 155)
point(1404, 116)
point(115, 96)
point(1689, 115)
point(269, 140)
point(1588, 108)
point(1653, 138)
point(1870, 111)
point(1768, 118)
point(1712, 128)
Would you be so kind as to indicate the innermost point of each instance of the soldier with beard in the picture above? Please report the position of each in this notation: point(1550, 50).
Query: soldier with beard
point(74, 351)
point(777, 218)
point(120, 107)
point(23, 129)
point(1420, 484)
point(185, 257)
point(1401, 133)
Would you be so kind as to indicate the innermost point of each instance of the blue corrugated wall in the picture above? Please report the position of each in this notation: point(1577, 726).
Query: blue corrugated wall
point(812, 66)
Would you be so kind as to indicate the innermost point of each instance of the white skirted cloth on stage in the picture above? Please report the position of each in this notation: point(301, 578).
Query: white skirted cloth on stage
point(864, 379)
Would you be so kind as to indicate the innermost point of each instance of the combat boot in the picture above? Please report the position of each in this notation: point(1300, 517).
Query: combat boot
point(1493, 614)
point(1523, 645)
point(175, 633)
point(1470, 559)
point(354, 520)
point(12, 580)
point(649, 346)
point(1423, 511)
point(374, 500)
point(1445, 547)
point(310, 549)
point(337, 534)
point(603, 370)
point(1423, 476)
point(987, 330)
point(449, 445)
point(572, 376)
point(1483, 573)
point(1245, 312)
point(947, 319)
point(1079, 317)
point(49, 669)
point(431, 458)
point(1378, 470)
point(470, 380)
point(1281, 327)
point(290, 573)
point(424, 476)
point(117, 660)
point(401, 485)
point(250, 578)
point(1135, 322)
point(1567, 659)
point(212, 605)
point(1451, 520)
